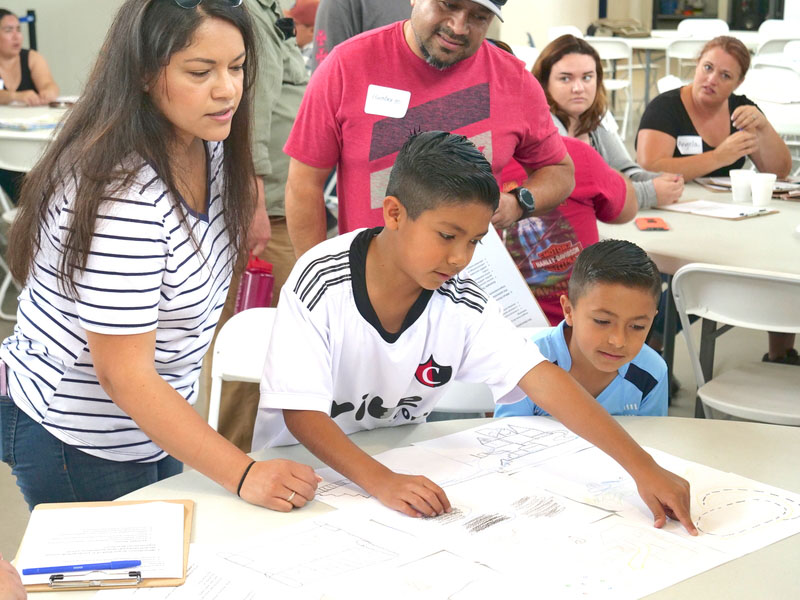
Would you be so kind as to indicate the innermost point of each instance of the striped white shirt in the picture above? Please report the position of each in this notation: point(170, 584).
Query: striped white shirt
point(143, 273)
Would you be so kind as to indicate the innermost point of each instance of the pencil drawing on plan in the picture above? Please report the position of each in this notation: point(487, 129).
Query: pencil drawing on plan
point(510, 443)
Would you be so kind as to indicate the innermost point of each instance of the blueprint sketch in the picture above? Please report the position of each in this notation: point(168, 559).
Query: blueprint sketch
point(507, 445)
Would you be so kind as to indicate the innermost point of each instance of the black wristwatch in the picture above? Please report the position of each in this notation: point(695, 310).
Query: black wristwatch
point(525, 200)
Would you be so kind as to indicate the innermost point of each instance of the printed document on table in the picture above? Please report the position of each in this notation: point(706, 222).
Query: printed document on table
point(493, 269)
point(151, 532)
point(340, 492)
point(207, 578)
point(720, 210)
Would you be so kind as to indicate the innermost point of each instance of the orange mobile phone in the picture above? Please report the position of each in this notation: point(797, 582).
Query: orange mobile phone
point(651, 224)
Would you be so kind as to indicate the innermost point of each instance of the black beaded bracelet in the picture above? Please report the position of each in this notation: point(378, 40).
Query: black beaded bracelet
point(241, 481)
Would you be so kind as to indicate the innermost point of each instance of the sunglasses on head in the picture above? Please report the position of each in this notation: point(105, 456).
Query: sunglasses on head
point(193, 3)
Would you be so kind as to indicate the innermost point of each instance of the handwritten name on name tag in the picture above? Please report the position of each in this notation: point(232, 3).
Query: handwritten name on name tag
point(386, 101)
point(690, 144)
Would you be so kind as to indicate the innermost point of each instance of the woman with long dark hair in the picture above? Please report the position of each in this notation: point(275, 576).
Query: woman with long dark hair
point(128, 230)
point(571, 74)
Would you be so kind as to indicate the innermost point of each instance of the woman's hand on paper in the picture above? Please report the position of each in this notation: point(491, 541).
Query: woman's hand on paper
point(279, 484)
point(10, 582)
point(413, 495)
point(666, 495)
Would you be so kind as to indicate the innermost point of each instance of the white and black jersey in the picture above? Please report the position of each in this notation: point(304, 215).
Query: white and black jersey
point(328, 351)
point(143, 273)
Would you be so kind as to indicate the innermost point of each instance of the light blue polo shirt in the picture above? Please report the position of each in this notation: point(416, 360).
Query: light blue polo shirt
point(640, 387)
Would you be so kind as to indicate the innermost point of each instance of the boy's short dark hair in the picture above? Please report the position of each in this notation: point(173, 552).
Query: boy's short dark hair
point(435, 168)
point(614, 261)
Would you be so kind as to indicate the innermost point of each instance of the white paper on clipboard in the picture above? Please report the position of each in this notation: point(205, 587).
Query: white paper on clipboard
point(493, 269)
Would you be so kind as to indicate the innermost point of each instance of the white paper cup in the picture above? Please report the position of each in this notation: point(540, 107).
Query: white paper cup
point(740, 184)
point(761, 185)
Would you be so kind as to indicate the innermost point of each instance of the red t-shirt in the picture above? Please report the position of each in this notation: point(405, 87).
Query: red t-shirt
point(488, 97)
point(545, 248)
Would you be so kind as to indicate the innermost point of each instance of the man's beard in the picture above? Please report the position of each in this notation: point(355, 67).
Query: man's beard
point(438, 63)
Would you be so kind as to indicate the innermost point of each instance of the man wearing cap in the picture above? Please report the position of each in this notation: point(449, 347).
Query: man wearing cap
point(433, 71)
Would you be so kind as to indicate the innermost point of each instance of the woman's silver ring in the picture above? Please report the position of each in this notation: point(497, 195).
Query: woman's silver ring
point(289, 499)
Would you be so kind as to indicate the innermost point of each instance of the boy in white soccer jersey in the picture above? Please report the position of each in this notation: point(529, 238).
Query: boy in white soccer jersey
point(373, 325)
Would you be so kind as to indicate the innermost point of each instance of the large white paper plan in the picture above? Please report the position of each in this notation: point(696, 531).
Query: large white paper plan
point(442, 574)
point(302, 560)
point(340, 492)
point(494, 271)
point(490, 511)
point(151, 532)
point(611, 559)
point(207, 578)
point(507, 445)
point(734, 514)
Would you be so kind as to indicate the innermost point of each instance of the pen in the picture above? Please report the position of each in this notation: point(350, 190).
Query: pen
point(114, 564)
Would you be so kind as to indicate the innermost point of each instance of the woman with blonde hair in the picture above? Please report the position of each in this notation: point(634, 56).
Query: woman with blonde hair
point(704, 128)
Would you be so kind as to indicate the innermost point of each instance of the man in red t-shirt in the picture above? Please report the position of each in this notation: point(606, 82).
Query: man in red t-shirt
point(545, 248)
point(434, 71)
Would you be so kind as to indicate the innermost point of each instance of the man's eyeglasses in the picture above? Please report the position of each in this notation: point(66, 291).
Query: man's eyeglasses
point(193, 3)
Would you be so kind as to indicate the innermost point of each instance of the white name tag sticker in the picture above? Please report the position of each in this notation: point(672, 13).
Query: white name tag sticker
point(387, 102)
point(690, 144)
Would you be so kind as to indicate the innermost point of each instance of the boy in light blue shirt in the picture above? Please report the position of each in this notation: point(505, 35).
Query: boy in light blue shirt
point(613, 299)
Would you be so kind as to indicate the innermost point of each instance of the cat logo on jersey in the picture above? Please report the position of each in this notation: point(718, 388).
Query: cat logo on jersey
point(432, 374)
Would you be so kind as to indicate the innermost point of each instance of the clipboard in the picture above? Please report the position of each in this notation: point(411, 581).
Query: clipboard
point(132, 580)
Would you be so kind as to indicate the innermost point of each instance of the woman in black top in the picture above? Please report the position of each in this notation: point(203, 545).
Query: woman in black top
point(25, 74)
point(704, 128)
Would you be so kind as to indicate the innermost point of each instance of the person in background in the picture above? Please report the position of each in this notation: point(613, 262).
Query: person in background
point(545, 247)
point(613, 297)
point(24, 79)
point(339, 20)
point(304, 13)
point(11, 587)
point(436, 71)
point(704, 129)
point(571, 74)
point(127, 233)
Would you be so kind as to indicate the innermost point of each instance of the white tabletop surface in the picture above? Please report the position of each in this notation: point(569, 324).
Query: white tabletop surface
point(768, 242)
point(767, 453)
point(19, 150)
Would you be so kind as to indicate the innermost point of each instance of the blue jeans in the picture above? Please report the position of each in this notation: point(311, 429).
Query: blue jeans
point(47, 470)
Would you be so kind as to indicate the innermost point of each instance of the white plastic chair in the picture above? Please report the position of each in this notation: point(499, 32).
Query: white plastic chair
point(527, 54)
point(7, 214)
point(615, 49)
point(774, 45)
point(667, 83)
point(687, 50)
point(703, 28)
point(559, 30)
point(739, 297)
point(239, 353)
point(777, 28)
